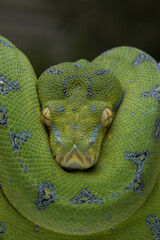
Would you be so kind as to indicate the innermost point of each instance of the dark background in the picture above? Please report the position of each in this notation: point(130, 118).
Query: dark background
point(53, 31)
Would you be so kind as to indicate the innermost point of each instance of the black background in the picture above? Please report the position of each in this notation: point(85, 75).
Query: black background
point(54, 31)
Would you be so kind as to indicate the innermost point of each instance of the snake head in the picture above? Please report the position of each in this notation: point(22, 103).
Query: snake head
point(79, 101)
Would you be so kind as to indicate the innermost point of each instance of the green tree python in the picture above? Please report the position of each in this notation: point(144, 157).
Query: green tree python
point(80, 147)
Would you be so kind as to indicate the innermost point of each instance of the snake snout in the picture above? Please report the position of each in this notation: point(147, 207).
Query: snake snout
point(76, 159)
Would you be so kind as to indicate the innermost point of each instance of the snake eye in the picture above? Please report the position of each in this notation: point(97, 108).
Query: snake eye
point(107, 117)
point(46, 117)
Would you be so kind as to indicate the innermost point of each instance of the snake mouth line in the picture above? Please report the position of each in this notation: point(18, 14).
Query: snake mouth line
point(76, 161)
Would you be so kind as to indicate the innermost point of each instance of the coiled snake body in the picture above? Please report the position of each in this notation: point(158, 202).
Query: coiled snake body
point(80, 147)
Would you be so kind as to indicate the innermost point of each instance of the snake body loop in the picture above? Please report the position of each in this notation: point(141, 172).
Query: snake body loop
point(80, 147)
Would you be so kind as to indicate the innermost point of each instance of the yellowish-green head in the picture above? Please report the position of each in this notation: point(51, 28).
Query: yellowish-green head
point(79, 101)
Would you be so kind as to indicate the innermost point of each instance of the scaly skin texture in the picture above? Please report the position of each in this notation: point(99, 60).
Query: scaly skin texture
point(71, 95)
point(118, 197)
